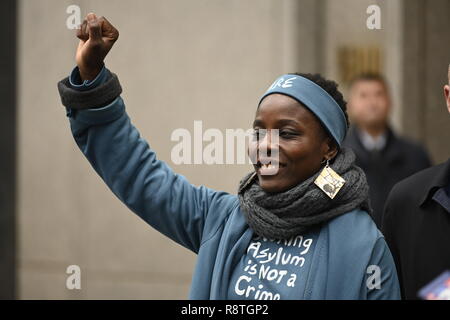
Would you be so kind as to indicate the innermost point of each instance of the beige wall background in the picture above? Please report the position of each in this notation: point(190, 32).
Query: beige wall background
point(346, 26)
point(178, 61)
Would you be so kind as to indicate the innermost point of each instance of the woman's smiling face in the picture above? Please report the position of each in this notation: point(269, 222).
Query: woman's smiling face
point(302, 143)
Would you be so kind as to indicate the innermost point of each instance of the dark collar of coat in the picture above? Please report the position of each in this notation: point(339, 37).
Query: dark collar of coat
point(438, 177)
point(392, 152)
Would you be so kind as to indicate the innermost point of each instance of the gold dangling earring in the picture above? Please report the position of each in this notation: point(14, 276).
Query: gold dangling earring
point(329, 181)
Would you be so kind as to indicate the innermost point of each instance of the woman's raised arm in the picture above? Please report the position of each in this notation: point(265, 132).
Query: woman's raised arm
point(104, 133)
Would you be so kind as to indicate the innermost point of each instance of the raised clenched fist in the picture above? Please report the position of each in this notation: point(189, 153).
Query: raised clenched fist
point(97, 36)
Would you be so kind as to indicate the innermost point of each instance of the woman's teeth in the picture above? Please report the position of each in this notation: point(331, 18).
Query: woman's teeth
point(268, 169)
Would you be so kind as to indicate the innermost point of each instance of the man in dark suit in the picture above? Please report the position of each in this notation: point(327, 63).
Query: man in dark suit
point(416, 224)
point(385, 157)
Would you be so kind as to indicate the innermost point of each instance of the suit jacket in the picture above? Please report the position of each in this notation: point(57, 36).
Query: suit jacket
point(399, 159)
point(417, 228)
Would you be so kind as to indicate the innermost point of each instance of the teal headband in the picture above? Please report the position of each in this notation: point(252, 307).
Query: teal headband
point(316, 99)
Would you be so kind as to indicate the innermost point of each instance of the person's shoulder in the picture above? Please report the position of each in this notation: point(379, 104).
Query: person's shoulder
point(356, 224)
point(413, 186)
point(357, 216)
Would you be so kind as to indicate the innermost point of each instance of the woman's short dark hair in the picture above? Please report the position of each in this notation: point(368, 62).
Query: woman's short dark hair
point(330, 87)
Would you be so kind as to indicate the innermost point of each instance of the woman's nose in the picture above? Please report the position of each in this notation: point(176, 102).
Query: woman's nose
point(269, 143)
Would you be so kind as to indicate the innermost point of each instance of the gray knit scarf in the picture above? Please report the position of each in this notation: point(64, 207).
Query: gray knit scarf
point(295, 211)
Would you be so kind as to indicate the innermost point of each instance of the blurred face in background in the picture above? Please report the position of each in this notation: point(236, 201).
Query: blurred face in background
point(369, 104)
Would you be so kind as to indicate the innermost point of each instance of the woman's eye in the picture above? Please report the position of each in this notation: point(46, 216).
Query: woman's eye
point(287, 134)
point(258, 134)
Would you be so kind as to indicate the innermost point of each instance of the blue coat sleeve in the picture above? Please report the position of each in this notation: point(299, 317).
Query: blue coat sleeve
point(381, 277)
point(146, 185)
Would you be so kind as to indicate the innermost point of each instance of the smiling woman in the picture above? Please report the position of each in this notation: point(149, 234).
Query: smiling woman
point(274, 213)
point(303, 144)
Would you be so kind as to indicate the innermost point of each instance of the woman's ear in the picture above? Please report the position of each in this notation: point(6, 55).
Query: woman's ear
point(332, 149)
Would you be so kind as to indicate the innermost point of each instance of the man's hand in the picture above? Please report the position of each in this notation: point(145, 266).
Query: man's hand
point(97, 36)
